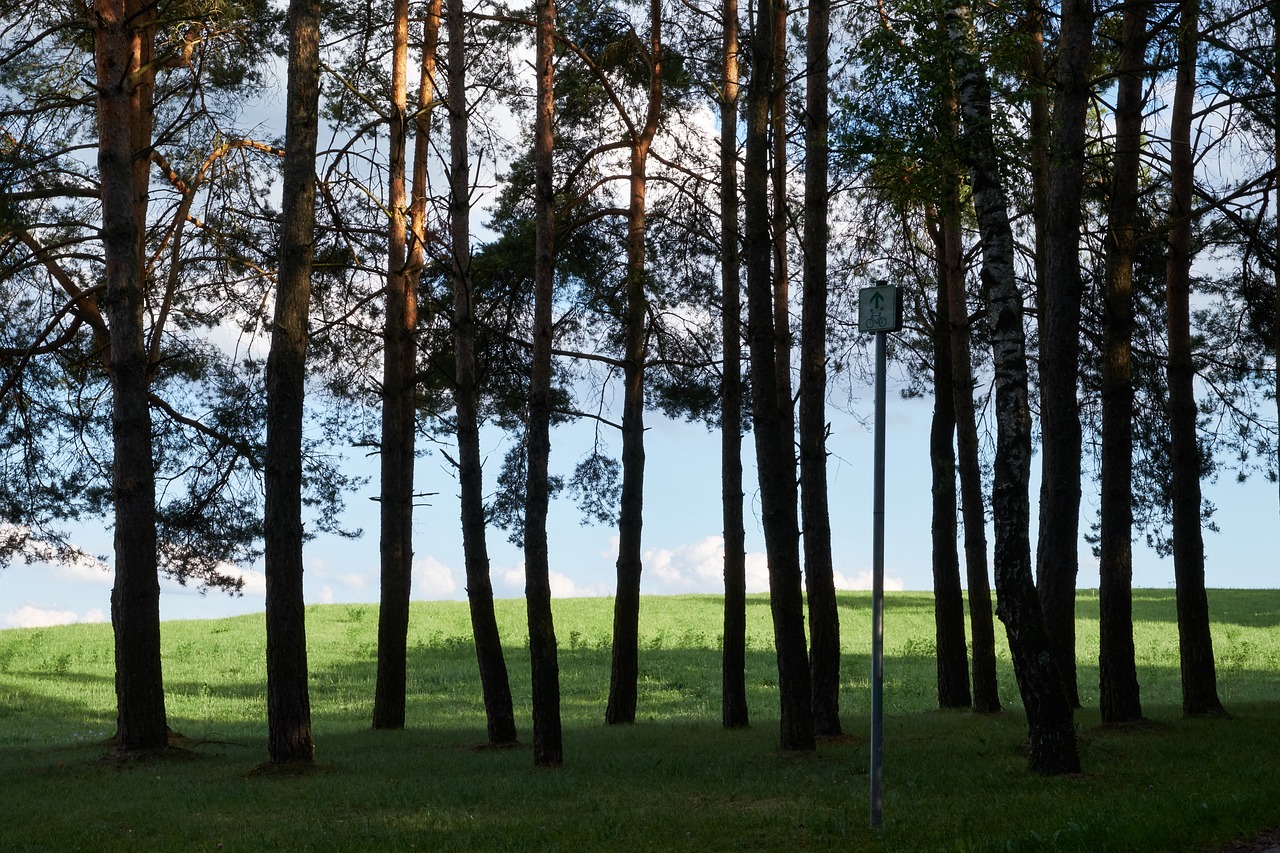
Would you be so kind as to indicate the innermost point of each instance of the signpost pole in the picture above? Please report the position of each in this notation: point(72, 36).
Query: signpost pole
point(877, 595)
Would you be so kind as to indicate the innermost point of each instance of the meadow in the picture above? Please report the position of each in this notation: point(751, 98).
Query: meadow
point(676, 780)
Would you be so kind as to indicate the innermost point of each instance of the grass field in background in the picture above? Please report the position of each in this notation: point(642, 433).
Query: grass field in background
point(954, 781)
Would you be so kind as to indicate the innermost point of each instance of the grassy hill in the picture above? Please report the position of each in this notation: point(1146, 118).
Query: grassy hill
point(674, 781)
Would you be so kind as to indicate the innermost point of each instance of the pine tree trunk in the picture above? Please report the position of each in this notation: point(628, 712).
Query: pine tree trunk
point(733, 696)
point(548, 747)
point(398, 368)
point(1199, 677)
point(288, 702)
point(775, 459)
point(986, 694)
point(625, 671)
point(819, 573)
point(1117, 668)
point(1051, 734)
point(1057, 552)
point(123, 34)
point(494, 682)
point(780, 219)
point(948, 598)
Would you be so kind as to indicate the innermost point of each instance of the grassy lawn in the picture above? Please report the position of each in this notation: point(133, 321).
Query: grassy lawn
point(954, 781)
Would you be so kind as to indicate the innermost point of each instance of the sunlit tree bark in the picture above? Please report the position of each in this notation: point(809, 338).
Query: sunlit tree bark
point(548, 748)
point(123, 33)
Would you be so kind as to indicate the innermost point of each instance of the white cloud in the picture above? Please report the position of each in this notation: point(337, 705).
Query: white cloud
point(563, 586)
point(29, 616)
point(432, 579)
point(863, 581)
point(699, 565)
point(255, 583)
point(326, 594)
point(757, 572)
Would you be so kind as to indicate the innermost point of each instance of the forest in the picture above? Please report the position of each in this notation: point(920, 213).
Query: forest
point(239, 239)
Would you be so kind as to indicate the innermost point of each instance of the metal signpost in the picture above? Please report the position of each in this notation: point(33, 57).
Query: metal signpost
point(879, 312)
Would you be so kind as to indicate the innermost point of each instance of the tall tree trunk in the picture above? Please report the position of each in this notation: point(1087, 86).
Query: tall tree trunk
point(1038, 135)
point(123, 36)
point(288, 702)
point(398, 369)
point(948, 598)
point(986, 693)
point(548, 747)
point(1199, 678)
point(775, 459)
point(624, 673)
point(1057, 550)
point(733, 694)
point(1117, 669)
point(819, 574)
point(494, 683)
point(1051, 734)
point(779, 219)
point(1275, 144)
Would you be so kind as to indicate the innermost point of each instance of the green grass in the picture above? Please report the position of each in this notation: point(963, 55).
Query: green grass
point(675, 781)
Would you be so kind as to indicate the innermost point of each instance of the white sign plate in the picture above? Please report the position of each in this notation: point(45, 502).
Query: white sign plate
point(880, 308)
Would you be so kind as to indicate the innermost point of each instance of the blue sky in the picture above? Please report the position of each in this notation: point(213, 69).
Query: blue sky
point(681, 533)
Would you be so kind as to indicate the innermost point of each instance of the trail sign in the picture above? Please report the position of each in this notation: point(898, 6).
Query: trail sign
point(880, 308)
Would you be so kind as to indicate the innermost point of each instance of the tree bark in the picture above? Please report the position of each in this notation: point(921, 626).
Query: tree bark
point(1057, 551)
point(288, 703)
point(1199, 678)
point(948, 598)
point(775, 459)
point(733, 695)
point(494, 683)
point(1119, 699)
point(1038, 131)
point(624, 671)
point(1051, 735)
point(819, 573)
point(548, 747)
point(123, 35)
point(779, 219)
point(986, 694)
point(398, 409)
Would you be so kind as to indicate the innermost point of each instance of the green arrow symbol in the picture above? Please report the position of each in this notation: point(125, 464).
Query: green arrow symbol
point(877, 300)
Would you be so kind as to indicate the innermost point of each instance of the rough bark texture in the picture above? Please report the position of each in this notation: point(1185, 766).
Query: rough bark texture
point(1199, 677)
point(548, 747)
point(948, 598)
point(819, 574)
point(1117, 669)
point(123, 34)
point(624, 670)
point(986, 694)
point(1057, 551)
point(398, 369)
point(1051, 735)
point(1038, 133)
point(780, 218)
point(775, 460)
point(494, 683)
point(733, 694)
point(288, 702)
